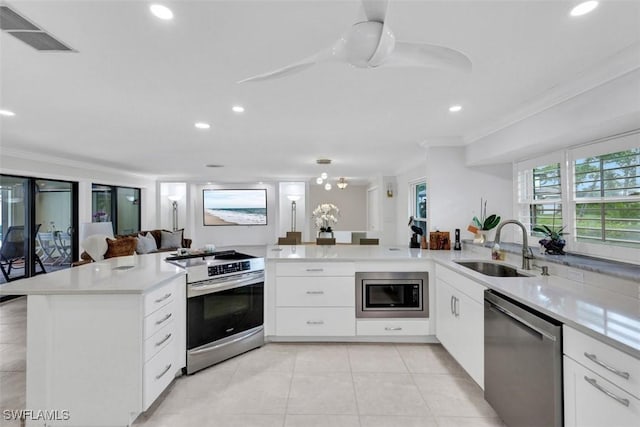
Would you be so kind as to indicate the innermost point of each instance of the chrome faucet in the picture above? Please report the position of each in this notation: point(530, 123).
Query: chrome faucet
point(526, 251)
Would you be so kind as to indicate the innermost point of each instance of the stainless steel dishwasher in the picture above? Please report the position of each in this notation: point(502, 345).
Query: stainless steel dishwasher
point(522, 363)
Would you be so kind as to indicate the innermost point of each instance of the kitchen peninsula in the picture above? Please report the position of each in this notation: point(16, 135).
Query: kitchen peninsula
point(120, 323)
point(103, 339)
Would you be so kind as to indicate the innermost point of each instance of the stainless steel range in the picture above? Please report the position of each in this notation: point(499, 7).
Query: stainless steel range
point(225, 306)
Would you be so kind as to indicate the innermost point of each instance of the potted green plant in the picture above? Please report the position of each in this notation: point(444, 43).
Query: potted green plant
point(553, 243)
point(484, 223)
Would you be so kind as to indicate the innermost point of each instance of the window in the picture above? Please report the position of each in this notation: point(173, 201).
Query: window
point(120, 205)
point(418, 200)
point(607, 198)
point(593, 190)
point(540, 196)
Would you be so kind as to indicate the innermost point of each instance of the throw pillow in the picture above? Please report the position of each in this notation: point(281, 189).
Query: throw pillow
point(146, 244)
point(171, 240)
point(121, 247)
point(96, 246)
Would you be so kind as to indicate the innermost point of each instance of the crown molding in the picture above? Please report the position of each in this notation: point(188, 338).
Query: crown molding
point(613, 67)
point(66, 162)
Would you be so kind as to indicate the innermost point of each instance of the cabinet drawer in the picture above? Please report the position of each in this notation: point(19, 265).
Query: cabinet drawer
point(331, 321)
point(603, 359)
point(315, 269)
point(158, 374)
point(159, 340)
point(315, 291)
point(592, 401)
point(158, 319)
point(158, 298)
point(392, 327)
point(465, 285)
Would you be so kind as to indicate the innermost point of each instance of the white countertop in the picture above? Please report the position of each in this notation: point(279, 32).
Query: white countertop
point(344, 252)
point(610, 317)
point(121, 275)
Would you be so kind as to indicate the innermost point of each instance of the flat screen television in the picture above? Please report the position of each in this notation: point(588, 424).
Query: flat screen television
point(234, 207)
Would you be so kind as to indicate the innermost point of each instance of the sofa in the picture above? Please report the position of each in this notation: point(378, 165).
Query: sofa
point(126, 244)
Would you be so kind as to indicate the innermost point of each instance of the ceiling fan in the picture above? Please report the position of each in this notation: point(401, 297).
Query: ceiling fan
point(372, 44)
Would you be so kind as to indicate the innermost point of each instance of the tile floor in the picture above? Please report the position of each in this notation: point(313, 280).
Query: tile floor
point(291, 385)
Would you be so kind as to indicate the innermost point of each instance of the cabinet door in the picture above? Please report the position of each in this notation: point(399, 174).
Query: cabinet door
point(470, 329)
point(592, 401)
point(446, 322)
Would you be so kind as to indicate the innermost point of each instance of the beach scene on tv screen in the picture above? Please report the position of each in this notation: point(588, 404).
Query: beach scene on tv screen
point(235, 207)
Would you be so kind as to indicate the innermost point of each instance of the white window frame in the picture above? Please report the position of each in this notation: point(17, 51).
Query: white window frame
point(566, 158)
point(412, 201)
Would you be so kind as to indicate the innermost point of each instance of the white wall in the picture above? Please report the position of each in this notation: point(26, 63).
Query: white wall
point(231, 235)
point(454, 191)
point(352, 202)
point(33, 165)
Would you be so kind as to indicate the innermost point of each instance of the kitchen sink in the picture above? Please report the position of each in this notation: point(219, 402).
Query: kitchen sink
point(492, 269)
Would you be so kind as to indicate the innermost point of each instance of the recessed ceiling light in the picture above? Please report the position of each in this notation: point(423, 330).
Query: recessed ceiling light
point(455, 108)
point(7, 113)
point(160, 11)
point(584, 8)
point(202, 125)
point(238, 109)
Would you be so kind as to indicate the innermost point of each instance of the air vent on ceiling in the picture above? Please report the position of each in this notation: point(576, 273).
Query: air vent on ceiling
point(23, 29)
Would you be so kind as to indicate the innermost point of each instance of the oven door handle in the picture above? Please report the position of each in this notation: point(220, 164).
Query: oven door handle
point(218, 286)
point(216, 344)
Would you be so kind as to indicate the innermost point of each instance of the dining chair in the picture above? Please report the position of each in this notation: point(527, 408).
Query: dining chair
point(63, 245)
point(12, 250)
point(325, 241)
point(287, 241)
point(369, 241)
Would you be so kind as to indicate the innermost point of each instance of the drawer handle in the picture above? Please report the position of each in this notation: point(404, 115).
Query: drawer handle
point(161, 374)
point(164, 297)
point(315, 292)
point(618, 399)
point(311, 270)
point(609, 368)
point(164, 319)
point(389, 328)
point(315, 322)
point(163, 340)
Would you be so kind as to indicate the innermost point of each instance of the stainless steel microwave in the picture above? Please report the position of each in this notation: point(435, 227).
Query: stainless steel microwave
point(392, 294)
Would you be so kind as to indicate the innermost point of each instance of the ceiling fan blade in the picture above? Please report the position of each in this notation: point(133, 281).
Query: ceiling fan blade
point(375, 10)
point(428, 56)
point(334, 53)
point(282, 72)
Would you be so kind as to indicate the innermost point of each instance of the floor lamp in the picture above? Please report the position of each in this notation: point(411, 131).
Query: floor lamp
point(174, 204)
point(293, 199)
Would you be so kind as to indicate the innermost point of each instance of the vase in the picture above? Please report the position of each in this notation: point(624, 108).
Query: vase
point(480, 237)
point(325, 234)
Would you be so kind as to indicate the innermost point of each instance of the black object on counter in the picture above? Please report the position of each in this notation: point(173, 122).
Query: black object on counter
point(457, 246)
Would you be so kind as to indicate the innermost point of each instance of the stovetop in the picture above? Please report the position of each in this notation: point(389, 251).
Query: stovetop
point(205, 266)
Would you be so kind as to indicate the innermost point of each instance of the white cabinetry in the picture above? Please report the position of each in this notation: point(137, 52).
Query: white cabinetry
point(315, 299)
point(103, 357)
point(460, 320)
point(601, 383)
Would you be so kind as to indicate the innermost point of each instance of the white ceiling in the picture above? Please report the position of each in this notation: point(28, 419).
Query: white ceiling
point(130, 95)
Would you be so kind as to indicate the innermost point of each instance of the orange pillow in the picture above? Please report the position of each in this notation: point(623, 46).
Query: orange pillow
point(122, 246)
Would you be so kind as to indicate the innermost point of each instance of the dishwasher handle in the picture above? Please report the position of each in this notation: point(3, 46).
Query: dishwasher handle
point(521, 320)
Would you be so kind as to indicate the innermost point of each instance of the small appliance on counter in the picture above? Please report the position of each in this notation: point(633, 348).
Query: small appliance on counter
point(457, 246)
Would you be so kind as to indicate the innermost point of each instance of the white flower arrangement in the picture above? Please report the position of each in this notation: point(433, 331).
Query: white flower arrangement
point(325, 215)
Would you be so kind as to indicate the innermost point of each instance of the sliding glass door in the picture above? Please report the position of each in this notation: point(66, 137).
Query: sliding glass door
point(118, 205)
point(38, 219)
